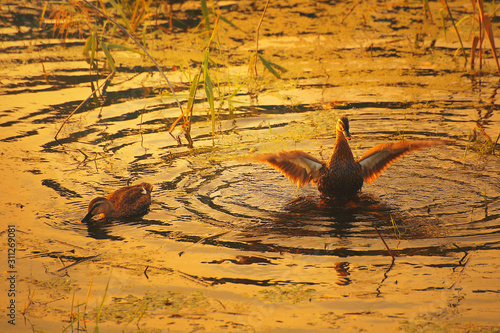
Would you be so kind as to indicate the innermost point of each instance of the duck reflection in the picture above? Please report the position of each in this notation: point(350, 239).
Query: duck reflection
point(342, 269)
point(315, 216)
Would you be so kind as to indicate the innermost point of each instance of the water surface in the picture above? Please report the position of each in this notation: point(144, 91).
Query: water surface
point(230, 245)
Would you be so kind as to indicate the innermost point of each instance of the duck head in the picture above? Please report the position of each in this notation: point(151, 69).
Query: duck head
point(100, 206)
point(343, 127)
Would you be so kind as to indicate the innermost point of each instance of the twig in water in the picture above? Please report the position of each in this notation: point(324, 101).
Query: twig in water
point(28, 303)
point(459, 274)
point(382, 238)
point(350, 11)
point(79, 106)
point(204, 239)
point(77, 262)
point(62, 262)
point(464, 256)
point(456, 30)
point(386, 275)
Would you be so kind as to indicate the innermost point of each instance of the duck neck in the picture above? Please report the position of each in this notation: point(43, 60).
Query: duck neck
point(341, 149)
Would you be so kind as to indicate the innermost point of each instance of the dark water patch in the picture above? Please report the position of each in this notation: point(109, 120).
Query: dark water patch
point(96, 231)
point(425, 72)
point(139, 69)
point(17, 91)
point(364, 105)
point(66, 256)
point(135, 114)
point(114, 97)
point(9, 123)
point(51, 82)
point(25, 134)
point(54, 112)
point(309, 15)
point(316, 85)
point(104, 229)
point(75, 137)
point(244, 260)
point(61, 190)
point(250, 282)
point(114, 148)
point(21, 15)
point(276, 109)
point(46, 44)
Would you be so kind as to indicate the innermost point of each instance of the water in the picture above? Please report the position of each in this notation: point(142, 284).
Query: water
point(230, 245)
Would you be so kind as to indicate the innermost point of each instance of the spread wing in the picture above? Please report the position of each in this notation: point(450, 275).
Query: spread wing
point(296, 165)
point(377, 159)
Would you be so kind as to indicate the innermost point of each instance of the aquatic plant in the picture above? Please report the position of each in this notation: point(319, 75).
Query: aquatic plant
point(485, 29)
point(481, 142)
point(69, 17)
point(92, 41)
point(133, 14)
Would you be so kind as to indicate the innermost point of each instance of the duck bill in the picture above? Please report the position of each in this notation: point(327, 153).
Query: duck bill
point(347, 135)
point(86, 218)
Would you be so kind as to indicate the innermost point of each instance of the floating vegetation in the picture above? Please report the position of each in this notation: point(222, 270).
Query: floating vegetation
point(295, 294)
point(125, 309)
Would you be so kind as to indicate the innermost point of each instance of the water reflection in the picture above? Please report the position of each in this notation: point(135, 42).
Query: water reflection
point(100, 230)
point(342, 269)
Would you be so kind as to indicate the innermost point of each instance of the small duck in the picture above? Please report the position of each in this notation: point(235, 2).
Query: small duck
point(342, 176)
point(126, 201)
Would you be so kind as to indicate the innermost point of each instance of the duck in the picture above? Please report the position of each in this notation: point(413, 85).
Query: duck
point(342, 176)
point(124, 202)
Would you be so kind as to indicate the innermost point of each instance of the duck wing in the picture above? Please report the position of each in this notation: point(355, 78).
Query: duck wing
point(131, 200)
point(298, 166)
point(377, 159)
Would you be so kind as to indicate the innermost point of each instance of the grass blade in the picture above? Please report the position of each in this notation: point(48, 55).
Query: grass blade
point(98, 315)
point(123, 48)
point(109, 58)
point(209, 90)
point(204, 10)
point(122, 14)
point(271, 66)
point(192, 92)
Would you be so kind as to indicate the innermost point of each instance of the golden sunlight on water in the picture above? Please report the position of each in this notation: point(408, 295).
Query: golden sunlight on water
point(228, 244)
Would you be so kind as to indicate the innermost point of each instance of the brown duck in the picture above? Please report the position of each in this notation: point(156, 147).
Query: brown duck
point(341, 176)
point(126, 201)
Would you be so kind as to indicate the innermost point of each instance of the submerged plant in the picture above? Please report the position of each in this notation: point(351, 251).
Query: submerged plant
point(293, 293)
point(481, 142)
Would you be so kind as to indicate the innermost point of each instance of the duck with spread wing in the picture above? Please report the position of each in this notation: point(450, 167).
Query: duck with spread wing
point(342, 176)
